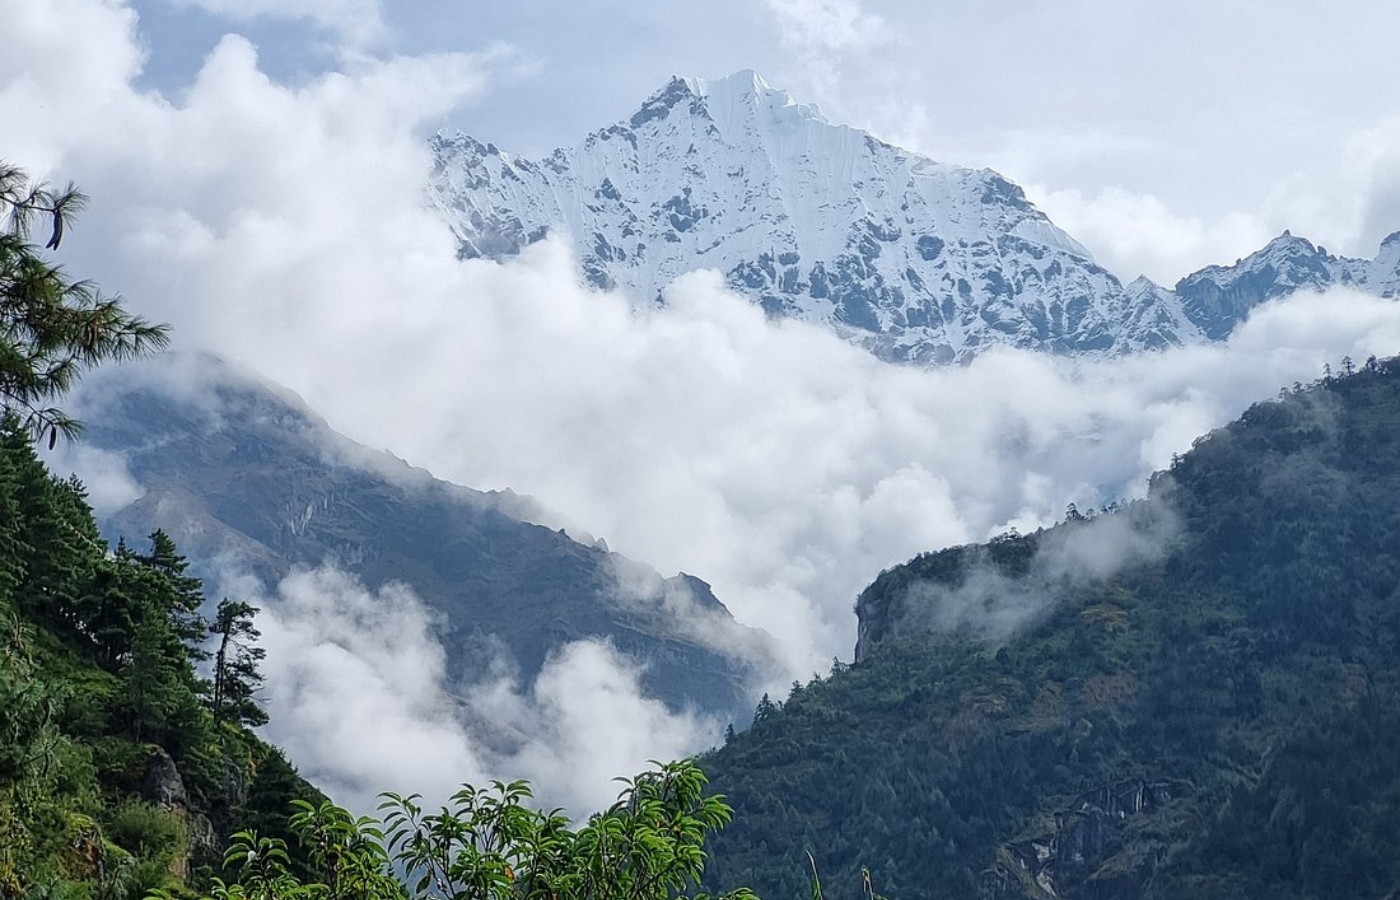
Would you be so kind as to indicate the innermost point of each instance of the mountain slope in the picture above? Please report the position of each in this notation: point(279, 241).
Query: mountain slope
point(1148, 703)
point(243, 475)
point(917, 260)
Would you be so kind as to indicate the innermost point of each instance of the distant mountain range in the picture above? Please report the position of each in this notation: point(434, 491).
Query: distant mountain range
point(242, 474)
point(917, 260)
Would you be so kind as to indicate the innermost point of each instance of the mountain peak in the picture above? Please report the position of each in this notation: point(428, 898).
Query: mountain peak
point(744, 102)
point(1142, 285)
point(659, 105)
point(744, 80)
point(916, 260)
point(1290, 243)
point(734, 97)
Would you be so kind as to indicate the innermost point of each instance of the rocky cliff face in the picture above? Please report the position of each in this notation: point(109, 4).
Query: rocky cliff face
point(1218, 298)
point(1090, 849)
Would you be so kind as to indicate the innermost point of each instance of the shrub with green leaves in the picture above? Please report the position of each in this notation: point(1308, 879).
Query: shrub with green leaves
point(487, 844)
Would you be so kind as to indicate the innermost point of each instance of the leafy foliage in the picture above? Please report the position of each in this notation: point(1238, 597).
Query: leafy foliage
point(488, 845)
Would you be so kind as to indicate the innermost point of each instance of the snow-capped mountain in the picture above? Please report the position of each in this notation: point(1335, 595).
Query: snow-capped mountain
point(1218, 298)
point(917, 260)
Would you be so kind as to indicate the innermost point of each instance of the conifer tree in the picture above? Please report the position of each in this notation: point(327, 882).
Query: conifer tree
point(151, 681)
point(183, 594)
point(236, 675)
point(52, 328)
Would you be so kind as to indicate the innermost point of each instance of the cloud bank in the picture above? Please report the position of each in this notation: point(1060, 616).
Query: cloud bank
point(359, 699)
point(990, 604)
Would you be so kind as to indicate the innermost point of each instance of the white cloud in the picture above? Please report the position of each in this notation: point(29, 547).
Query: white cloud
point(1374, 153)
point(1137, 234)
point(110, 485)
point(355, 688)
point(67, 64)
point(817, 27)
point(358, 697)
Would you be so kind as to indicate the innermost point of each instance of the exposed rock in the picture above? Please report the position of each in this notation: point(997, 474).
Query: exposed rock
point(1068, 861)
point(87, 857)
point(162, 784)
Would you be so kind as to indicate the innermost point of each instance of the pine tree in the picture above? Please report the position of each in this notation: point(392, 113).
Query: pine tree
point(54, 534)
point(236, 675)
point(152, 684)
point(52, 328)
point(183, 594)
point(112, 608)
point(13, 550)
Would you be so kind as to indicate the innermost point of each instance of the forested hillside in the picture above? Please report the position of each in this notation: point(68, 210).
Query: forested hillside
point(1213, 717)
point(121, 769)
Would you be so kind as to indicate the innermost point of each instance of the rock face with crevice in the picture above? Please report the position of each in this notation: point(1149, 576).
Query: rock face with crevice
point(1085, 850)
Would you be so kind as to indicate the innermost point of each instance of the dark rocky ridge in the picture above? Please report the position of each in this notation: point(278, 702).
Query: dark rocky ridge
point(238, 472)
point(1218, 298)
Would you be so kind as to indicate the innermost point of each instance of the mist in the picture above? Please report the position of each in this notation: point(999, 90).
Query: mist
point(358, 697)
point(989, 603)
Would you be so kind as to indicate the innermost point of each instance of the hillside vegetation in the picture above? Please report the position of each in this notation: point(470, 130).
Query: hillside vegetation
point(120, 769)
point(1214, 717)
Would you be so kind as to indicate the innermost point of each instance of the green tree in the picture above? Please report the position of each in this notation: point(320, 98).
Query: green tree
point(487, 844)
point(152, 687)
point(113, 606)
point(49, 536)
point(163, 697)
point(236, 675)
point(52, 328)
point(183, 594)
